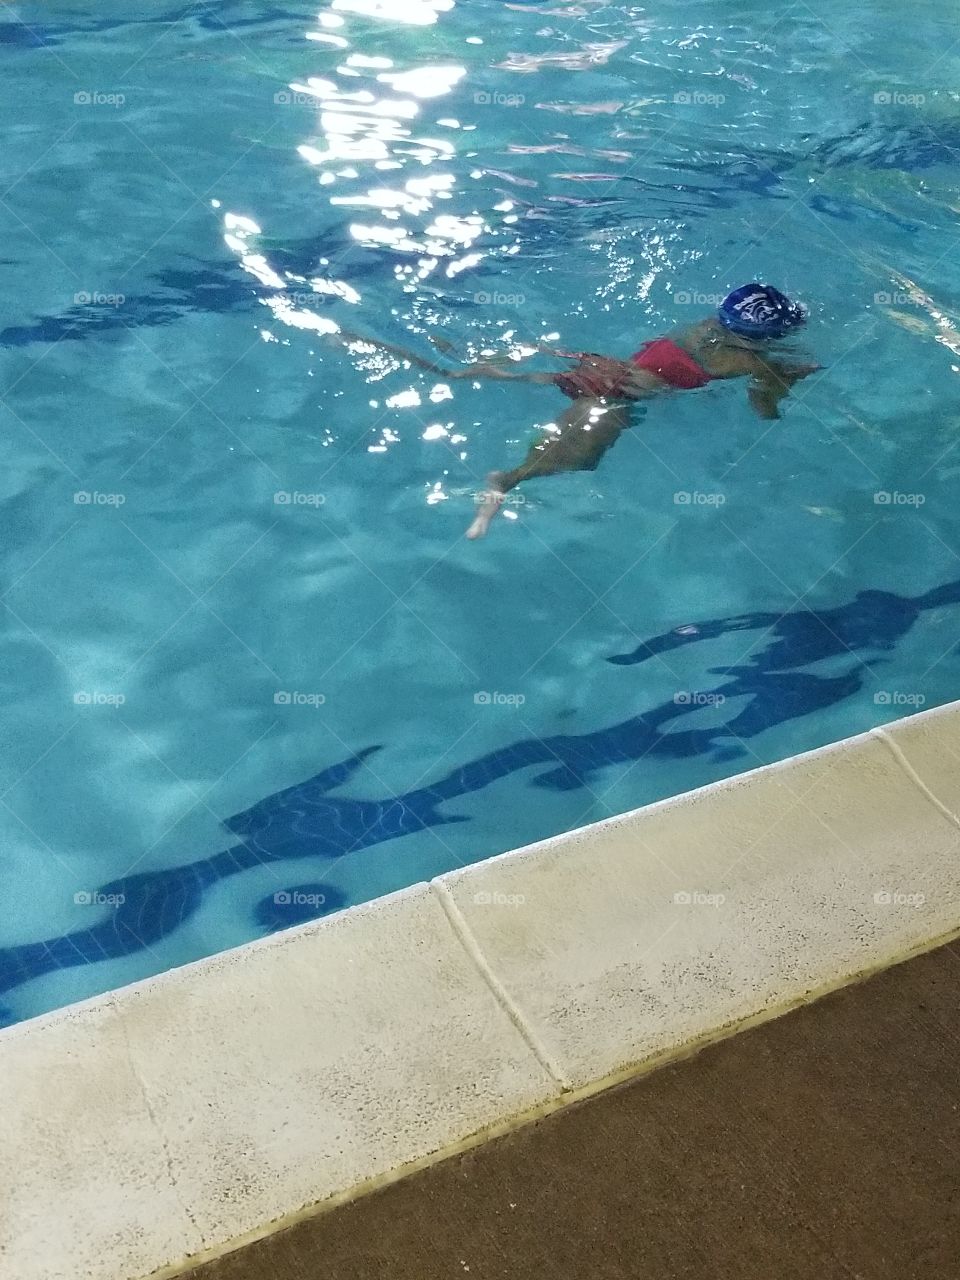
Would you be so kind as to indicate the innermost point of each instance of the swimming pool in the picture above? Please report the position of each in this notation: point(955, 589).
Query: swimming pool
point(234, 574)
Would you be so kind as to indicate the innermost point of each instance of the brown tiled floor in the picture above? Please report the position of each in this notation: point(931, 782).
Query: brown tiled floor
point(824, 1144)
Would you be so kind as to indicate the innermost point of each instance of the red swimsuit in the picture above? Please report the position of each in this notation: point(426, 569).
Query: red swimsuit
point(671, 363)
point(603, 377)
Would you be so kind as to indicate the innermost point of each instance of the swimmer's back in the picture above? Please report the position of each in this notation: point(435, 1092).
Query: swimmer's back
point(717, 351)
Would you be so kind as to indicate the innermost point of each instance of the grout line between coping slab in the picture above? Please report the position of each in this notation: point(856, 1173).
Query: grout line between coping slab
point(117, 1017)
point(898, 754)
point(500, 993)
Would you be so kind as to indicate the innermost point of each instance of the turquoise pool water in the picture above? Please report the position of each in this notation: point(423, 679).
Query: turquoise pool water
point(232, 553)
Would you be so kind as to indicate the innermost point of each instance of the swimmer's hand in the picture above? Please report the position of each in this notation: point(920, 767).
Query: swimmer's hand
point(491, 502)
point(775, 380)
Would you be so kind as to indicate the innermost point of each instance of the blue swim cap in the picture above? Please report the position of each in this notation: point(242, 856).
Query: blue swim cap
point(759, 311)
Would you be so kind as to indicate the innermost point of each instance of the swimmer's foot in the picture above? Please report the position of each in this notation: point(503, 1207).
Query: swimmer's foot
point(491, 502)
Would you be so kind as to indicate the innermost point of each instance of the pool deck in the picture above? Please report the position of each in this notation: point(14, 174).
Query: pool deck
point(305, 1076)
point(823, 1144)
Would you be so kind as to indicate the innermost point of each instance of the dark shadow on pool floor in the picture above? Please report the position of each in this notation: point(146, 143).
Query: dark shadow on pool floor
point(305, 821)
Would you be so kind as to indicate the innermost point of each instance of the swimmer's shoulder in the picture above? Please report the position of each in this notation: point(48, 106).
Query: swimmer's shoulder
point(708, 339)
point(710, 335)
point(694, 338)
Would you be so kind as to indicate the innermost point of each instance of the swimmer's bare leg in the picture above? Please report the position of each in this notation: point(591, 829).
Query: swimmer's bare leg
point(504, 360)
point(491, 499)
point(583, 434)
point(345, 339)
point(482, 368)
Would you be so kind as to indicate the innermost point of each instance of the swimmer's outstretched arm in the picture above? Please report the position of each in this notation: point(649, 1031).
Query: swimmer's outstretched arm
point(583, 434)
point(770, 379)
point(771, 383)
